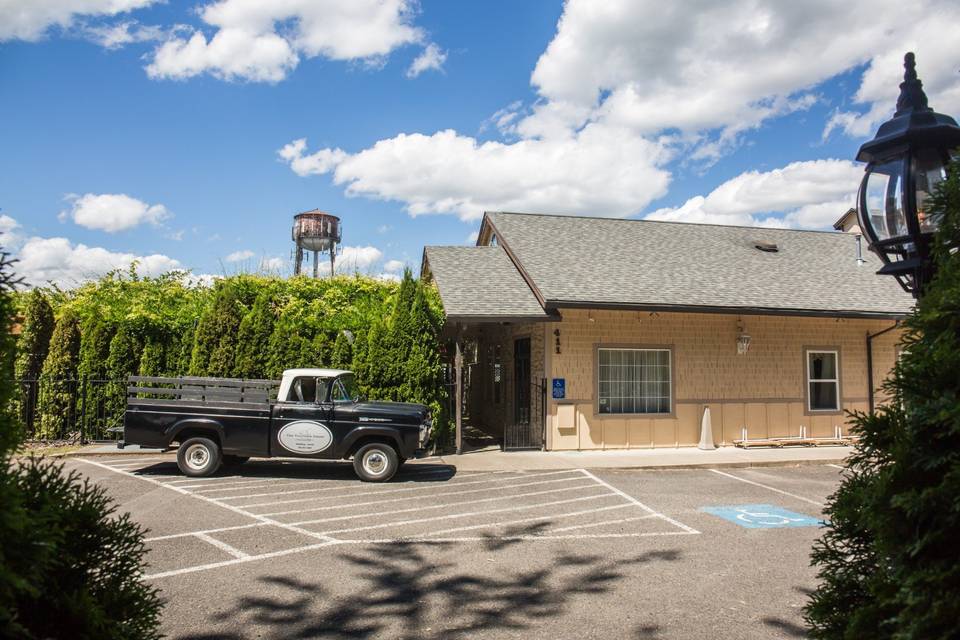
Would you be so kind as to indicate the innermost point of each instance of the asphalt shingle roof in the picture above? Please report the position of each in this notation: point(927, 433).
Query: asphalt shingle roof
point(580, 260)
point(481, 283)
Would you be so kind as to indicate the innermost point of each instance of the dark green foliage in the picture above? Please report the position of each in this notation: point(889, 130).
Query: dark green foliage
point(215, 343)
point(253, 338)
point(342, 355)
point(55, 403)
point(69, 567)
point(153, 360)
point(125, 351)
point(890, 560)
point(35, 336)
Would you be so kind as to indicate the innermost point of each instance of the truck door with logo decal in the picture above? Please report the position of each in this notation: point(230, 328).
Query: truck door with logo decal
point(302, 421)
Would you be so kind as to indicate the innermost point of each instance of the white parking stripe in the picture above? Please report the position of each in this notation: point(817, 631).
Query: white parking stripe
point(438, 506)
point(432, 495)
point(575, 536)
point(227, 563)
point(764, 486)
point(626, 496)
point(505, 523)
point(837, 466)
point(602, 523)
point(166, 485)
point(278, 481)
point(463, 515)
point(223, 546)
point(377, 492)
point(187, 534)
point(128, 459)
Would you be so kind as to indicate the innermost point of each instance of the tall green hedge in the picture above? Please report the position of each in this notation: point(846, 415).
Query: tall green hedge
point(57, 399)
point(251, 327)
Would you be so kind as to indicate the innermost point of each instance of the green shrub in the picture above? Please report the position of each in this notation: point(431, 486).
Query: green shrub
point(69, 566)
point(253, 338)
point(56, 400)
point(35, 336)
point(889, 562)
point(123, 361)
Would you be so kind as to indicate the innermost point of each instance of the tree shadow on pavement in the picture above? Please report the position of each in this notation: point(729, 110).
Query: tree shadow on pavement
point(404, 591)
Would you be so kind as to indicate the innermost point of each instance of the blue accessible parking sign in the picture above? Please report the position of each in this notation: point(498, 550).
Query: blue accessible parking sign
point(763, 516)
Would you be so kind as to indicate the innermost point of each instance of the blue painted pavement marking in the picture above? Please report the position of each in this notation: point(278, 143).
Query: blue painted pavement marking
point(762, 516)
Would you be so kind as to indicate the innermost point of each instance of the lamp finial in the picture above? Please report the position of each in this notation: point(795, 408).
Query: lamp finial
point(912, 97)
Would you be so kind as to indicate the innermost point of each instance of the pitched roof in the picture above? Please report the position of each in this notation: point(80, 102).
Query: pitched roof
point(577, 261)
point(481, 283)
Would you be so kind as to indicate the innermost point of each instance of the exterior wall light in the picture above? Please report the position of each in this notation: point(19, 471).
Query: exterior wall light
point(905, 161)
point(743, 339)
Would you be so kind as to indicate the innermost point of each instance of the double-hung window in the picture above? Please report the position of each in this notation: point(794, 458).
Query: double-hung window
point(823, 381)
point(634, 380)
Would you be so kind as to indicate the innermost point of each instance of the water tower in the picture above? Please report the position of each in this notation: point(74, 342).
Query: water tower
point(318, 232)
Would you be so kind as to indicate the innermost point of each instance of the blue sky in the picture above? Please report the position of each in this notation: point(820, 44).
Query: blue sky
point(157, 130)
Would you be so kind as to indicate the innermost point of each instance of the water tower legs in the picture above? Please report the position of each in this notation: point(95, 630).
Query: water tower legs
point(316, 263)
point(333, 252)
point(298, 261)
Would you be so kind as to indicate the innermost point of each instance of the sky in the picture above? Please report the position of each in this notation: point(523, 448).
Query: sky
point(185, 135)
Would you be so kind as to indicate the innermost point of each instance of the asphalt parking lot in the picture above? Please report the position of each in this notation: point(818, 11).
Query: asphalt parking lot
point(291, 549)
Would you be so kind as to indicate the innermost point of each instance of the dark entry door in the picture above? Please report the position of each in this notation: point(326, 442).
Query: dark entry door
point(523, 432)
point(521, 381)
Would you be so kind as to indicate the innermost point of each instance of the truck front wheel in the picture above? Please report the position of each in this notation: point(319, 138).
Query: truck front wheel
point(198, 457)
point(375, 462)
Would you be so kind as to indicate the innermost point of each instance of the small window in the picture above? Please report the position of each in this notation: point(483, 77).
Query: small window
point(823, 381)
point(634, 381)
point(345, 389)
point(303, 389)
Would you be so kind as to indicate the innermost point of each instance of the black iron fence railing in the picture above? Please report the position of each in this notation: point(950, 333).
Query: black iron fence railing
point(77, 410)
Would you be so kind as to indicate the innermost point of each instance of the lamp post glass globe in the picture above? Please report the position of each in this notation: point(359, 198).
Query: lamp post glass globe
point(906, 160)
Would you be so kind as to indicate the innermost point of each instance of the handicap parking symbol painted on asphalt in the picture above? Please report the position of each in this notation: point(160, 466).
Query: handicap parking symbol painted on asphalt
point(763, 516)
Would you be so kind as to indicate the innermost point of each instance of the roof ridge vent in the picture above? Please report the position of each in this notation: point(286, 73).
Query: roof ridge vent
point(766, 247)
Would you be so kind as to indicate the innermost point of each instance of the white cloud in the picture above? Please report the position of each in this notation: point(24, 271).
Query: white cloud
point(262, 41)
point(272, 265)
point(57, 260)
point(812, 194)
point(388, 277)
point(322, 161)
point(700, 66)
point(237, 256)
point(394, 266)
point(472, 238)
point(382, 229)
point(599, 171)
point(115, 36)
point(430, 59)
point(356, 259)
point(30, 19)
point(113, 212)
point(10, 238)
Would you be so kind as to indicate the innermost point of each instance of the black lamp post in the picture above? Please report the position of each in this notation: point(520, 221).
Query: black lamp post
point(906, 159)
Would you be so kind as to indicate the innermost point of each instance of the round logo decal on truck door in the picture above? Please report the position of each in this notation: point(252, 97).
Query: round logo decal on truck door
point(305, 437)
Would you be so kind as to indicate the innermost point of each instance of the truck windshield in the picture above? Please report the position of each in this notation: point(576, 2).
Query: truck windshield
point(347, 389)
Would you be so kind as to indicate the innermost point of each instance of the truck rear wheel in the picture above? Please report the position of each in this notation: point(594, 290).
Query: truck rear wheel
point(375, 462)
point(198, 457)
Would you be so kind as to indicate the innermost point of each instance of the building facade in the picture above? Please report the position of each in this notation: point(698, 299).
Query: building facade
point(583, 333)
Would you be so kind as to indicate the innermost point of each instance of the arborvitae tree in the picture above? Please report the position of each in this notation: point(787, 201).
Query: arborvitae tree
point(11, 431)
point(153, 359)
point(57, 393)
point(95, 337)
point(322, 349)
point(889, 559)
point(253, 339)
point(123, 361)
point(342, 355)
point(371, 370)
point(180, 360)
point(35, 336)
point(288, 348)
point(215, 344)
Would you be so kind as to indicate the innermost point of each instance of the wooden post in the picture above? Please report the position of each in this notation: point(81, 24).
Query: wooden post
point(458, 372)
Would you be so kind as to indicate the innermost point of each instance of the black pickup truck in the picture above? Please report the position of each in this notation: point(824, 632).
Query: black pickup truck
point(316, 413)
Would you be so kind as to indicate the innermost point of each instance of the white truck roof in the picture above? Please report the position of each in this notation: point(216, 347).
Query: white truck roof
point(318, 373)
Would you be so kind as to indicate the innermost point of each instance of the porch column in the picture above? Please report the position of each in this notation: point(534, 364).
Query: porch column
point(458, 372)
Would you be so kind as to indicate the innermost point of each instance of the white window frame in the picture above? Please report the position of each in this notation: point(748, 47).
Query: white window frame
point(835, 381)
point(667, 350)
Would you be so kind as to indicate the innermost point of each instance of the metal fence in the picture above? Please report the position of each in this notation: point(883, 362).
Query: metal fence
point(77, 410)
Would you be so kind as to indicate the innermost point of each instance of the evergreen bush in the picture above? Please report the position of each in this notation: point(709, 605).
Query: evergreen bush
point(57, 394)
point(889, 560)
point(253, 337)
point(35, 336)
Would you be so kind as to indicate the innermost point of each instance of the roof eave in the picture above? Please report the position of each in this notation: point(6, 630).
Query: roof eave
point(555, 305)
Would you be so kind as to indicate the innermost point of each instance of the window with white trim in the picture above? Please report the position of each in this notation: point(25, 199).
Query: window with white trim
point(634, 380)
point(823, 381)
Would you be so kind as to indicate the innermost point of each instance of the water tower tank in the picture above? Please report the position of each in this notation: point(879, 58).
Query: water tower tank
point(315, 231)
